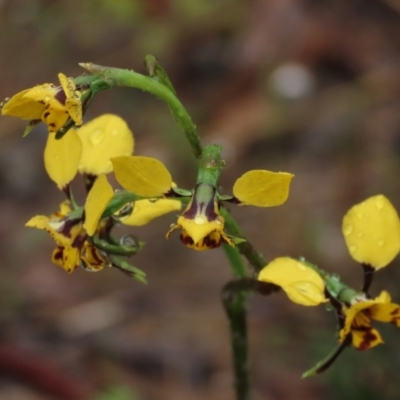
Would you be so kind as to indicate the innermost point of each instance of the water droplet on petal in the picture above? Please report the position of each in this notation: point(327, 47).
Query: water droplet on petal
point(353, 249)
point(348, 229)
point(97, 136)
point(114, 132)
point(380, 242)
point(360, 214)
point(360, 234)
point(47, 98)
point(301, 267)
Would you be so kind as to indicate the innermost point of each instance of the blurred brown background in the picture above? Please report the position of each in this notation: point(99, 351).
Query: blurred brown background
point(310, 87)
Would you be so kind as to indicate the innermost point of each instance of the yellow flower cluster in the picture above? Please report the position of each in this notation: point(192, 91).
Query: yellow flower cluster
point(201, 223)
point(87, 150)
point(371, 231)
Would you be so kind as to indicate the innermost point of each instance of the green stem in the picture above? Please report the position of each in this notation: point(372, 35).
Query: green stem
point(234, 300)
point(255, 259)
point(235, 307)
point(123, 77)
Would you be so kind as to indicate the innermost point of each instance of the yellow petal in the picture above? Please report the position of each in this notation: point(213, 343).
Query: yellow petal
point(21, 107)
point(91, 258)
point(263, 188)
point(62, 156)
point(66, 257)
point(371, 230)
point(384, 310)
point(199, 227)
point(45, 94)
point(210, 242)
point(143, 176)
point(146, 210)
point(73, 101)
point(97, 200)
point(300, 282)
point(43, 222)
point(366, 339)
point(103, 138)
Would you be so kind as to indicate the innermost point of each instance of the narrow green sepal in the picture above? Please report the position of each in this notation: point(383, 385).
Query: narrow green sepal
point(129, 269)
point(181, 192)
point(157, 72)
point(226, 197)
point(119, 200)
point(30, 126)
point(76, 213)
point(236, 240)
point(325, 363)
point(117, 248)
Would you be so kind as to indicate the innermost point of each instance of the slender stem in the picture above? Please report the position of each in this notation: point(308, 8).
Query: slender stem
point(324, 364)
point(128, 78)
point(368, 277)
point(255, 259)
point(235, 307)
point(234, 300)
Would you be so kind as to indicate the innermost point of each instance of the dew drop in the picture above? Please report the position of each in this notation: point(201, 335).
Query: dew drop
point(360, 234)
point(353, 249)
point(380, 242)
point(301, 267)
point(348, 229)
point(360, 214)
point(379, 204)
point(47, 98)
point(114, 132)
point(97, 136)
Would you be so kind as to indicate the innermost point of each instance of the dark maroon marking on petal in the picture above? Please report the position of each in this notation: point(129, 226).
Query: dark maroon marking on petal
point(396, 311)
point(367, 312)
point(196, 206)
point(52, 125)
point(95, 254)
point(211, 243)
point(190, 212)
point(186, 239)
point(79, 240)
point(368, 338)
point(60, 96)
point(41, 102)
point(46, 114)
point(58, 253)
point(68, 225)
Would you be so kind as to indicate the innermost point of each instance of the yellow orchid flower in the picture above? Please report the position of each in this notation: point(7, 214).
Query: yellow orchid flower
point(70, 238)
point(49, 103)
point(87, 149)
point(371, 231)
point(71, 229)
point(300, 282)
point(358, 318)
point(202, 225)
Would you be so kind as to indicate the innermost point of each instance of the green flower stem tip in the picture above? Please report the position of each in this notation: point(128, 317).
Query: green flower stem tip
point(156, 85)
point(128, 269)
point(324, 364)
